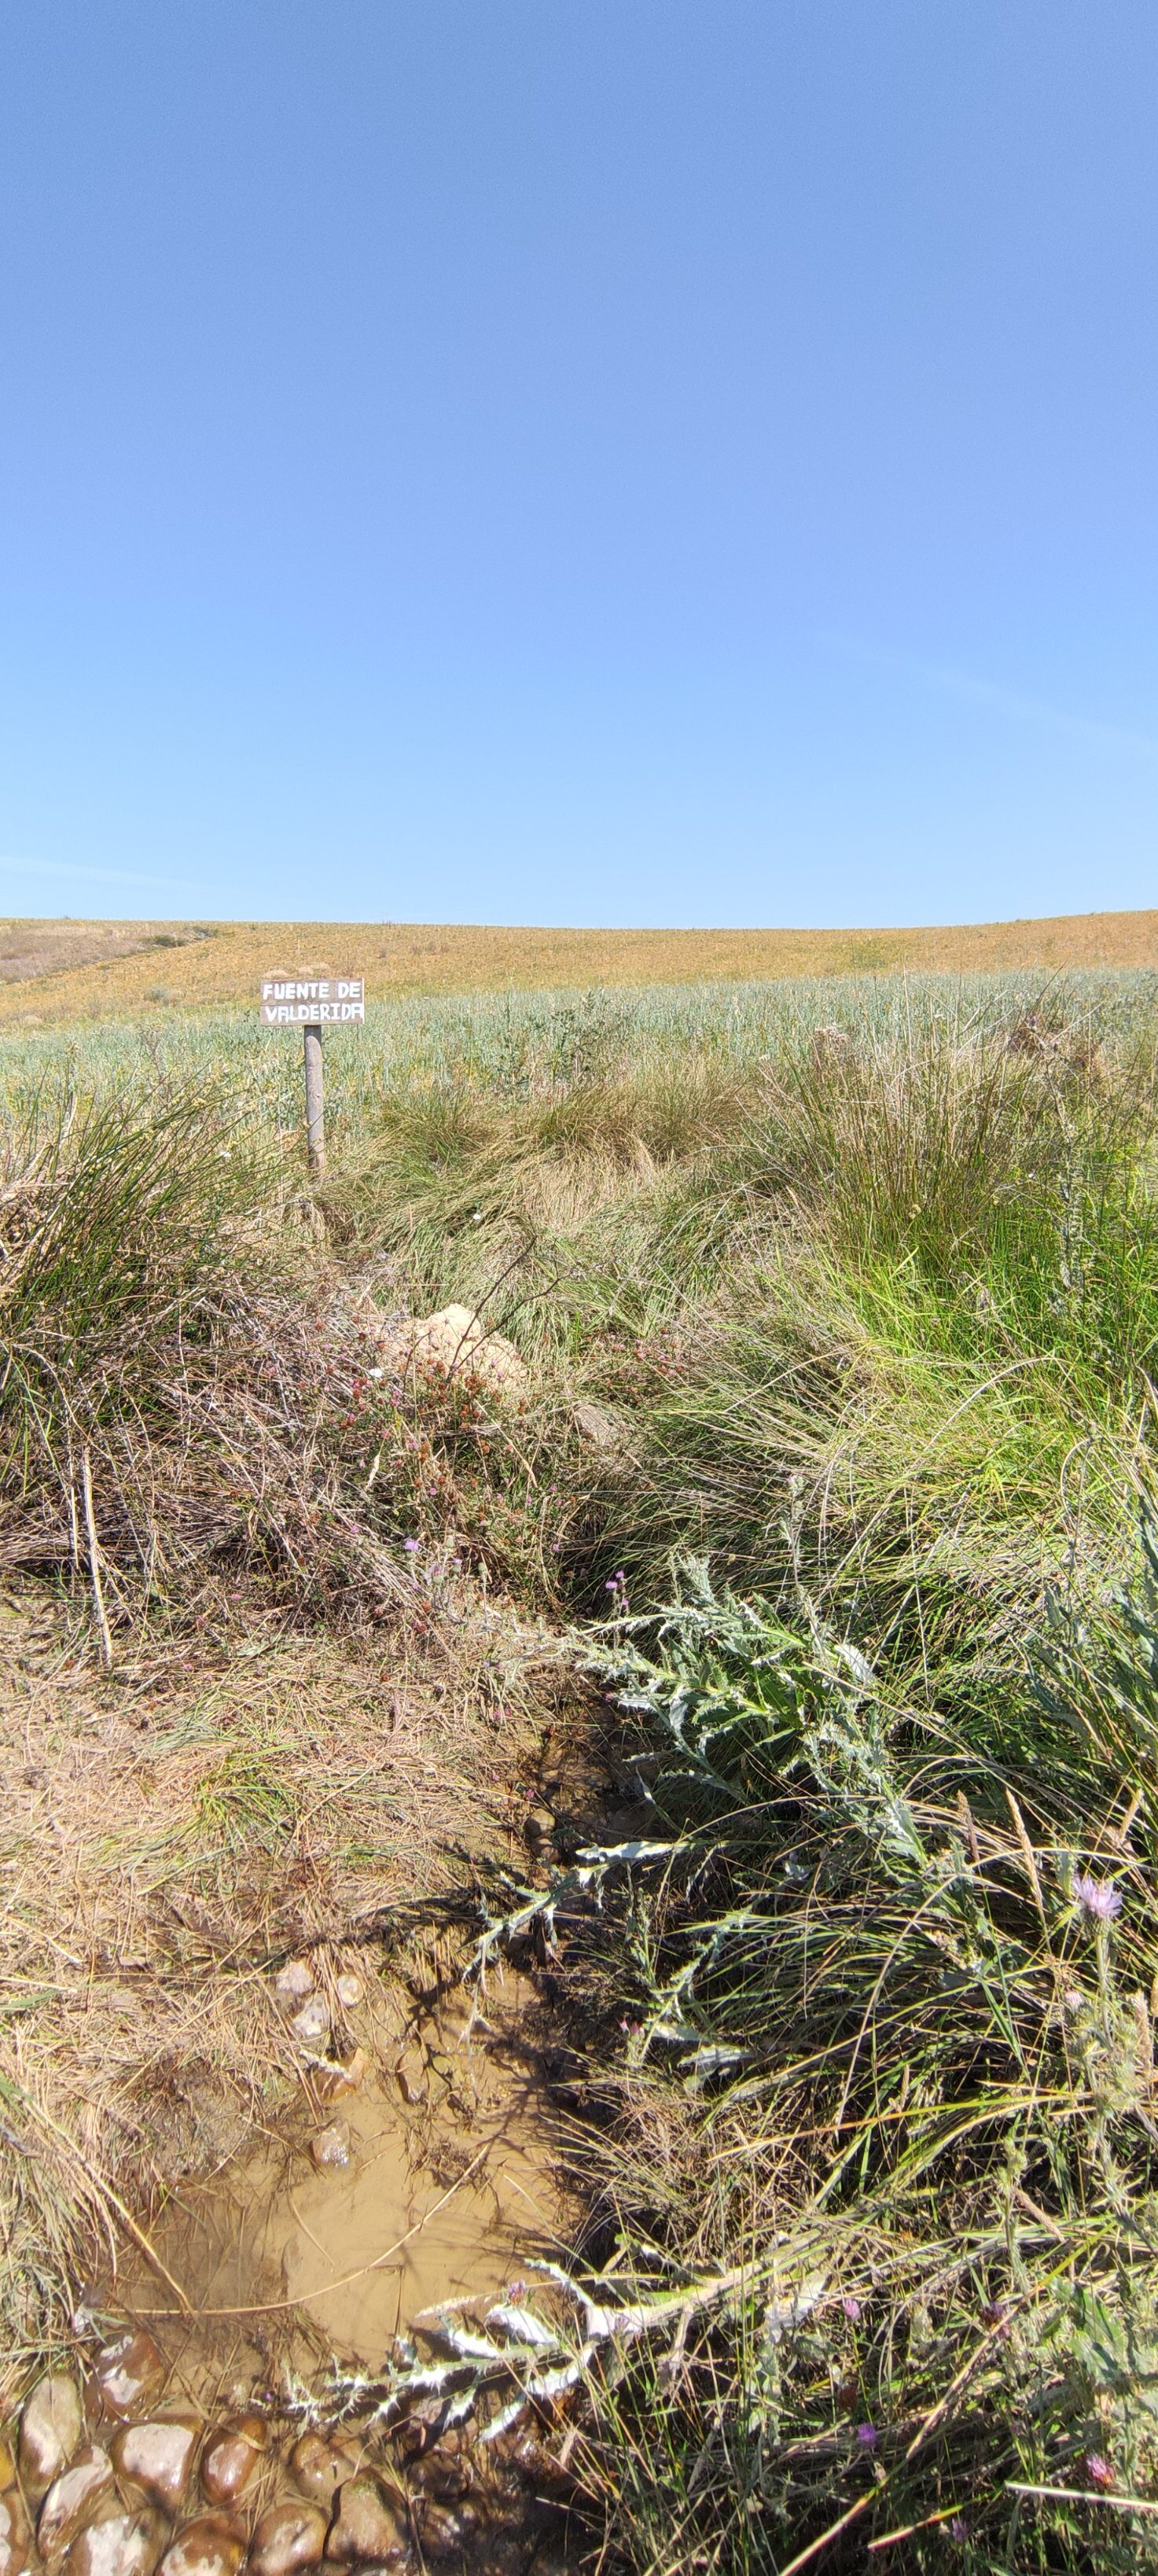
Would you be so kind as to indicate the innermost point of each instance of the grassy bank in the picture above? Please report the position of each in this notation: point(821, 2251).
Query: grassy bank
point(837, 1307)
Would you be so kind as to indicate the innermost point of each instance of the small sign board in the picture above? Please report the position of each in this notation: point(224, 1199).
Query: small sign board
point(296, 1001)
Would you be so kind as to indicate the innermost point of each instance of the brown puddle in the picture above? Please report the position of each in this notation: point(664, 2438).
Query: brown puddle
point(447, 2189)
point(290, 2268)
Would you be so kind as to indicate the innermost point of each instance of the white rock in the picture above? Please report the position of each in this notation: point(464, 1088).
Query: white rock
point(294, 1982)
point(312, 2024)
point(50, 2429)
point(122, 2544)
point(458, 1343)
point(331, 2146)
point(73, 2500)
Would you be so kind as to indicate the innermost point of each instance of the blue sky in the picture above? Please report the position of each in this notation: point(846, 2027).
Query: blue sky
point(583, 461)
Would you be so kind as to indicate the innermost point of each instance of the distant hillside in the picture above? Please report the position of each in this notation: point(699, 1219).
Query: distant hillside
point(54, 971)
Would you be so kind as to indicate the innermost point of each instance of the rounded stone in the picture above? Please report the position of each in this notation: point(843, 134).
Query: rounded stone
point(347, 2078)
point(367, 2524)
point(130, 2372)
point(349, 1990)
point(73, 2499)
point(319, 2467)
point(447, 2479)
point(294, 1982)
point(443, 2534)
point(311, 2026)
point(51, 2429)
point(15, 2537)
point(401, 2557)
point(213, 2545)
point(157, 2457)
point(120, 2544)
point(537, 2464)
point(289, 2536)
point(331, 2146)
point(232, 2457)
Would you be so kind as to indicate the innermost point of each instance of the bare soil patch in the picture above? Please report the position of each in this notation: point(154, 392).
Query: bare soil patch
point(174, 1832)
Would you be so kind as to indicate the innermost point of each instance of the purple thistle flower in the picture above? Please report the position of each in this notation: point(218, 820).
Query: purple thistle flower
point(410, 1545)
point(867, 2436)
point(851, 2309)
point(1098, 1898)
point(1099, 2470)
point(959, 2528)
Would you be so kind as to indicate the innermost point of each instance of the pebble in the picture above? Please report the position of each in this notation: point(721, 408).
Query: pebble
point(319, 2467)
point(346, 2079)
point(394, 2562)
point(442, 2533)
point(231, 2458)
point(14, 2536)
point(294, 1982)
point(124, 2544)
point(72, 2500)
point(312, 2024)
point(366, 2525)
point(540, 1828)
point(537, 2464)
point(157, 2457)
point(349, 1990)
point(331, 2145)
point(287, 2537)
point(51, 2427)
point(214, 2545)
point(130, 2372)
point(449, 2480)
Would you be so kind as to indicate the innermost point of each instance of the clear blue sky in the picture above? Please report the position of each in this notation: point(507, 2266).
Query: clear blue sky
point(579, 460)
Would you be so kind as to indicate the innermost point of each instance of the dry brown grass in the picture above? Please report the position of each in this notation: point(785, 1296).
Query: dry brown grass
point(125, 967)
point(29, 949)
point(171, 1834)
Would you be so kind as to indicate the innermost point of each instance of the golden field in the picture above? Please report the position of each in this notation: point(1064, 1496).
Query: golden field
point(54, 971)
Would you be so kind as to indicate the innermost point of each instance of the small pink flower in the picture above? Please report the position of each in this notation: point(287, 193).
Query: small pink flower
point(867, 2436)
point(1098, 1898)
point(1098, 2470)
point(851, 2309)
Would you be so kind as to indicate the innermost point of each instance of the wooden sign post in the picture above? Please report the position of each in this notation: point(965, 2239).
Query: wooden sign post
point(315, 1102)
point(310, 1002)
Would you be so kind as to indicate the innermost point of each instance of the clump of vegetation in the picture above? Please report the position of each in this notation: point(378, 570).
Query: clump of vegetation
point(891, 2073)
point(844, 1303)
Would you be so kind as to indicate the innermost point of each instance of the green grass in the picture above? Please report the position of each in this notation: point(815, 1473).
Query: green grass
point(847, 1296)
point(914, 2077)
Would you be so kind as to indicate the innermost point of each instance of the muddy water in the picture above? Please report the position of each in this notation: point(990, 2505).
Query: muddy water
point(287, 2264)
point(444, 2189)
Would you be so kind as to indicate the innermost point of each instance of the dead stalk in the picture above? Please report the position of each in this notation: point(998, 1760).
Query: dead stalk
point(94, 1563)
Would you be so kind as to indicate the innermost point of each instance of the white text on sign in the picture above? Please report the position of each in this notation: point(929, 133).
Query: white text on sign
point(289, 1001)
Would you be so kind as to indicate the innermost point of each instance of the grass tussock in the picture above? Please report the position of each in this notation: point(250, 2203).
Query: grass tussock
point(847, 1305)
point(890, 2076)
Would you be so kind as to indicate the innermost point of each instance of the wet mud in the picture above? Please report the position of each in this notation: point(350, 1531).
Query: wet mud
point(196, 2430)
point(432, 2180)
